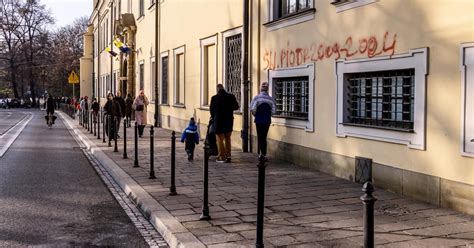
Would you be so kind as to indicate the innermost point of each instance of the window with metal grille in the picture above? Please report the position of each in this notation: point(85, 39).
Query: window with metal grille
point(292, 97)
point(164, 80)
point(233, 60)
point(288, 7)
point(383, 99)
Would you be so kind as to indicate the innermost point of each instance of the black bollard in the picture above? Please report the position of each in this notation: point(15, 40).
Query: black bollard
point(115, 134)
point(104, 118)
point(368, 200)
point(99, 114)
point(173, 163)
point(86, 115)
point(89, 121)
point(94, 122)
point(205, 203)
point(109, 130)
point(124, 139)
point(152, 155)
point(136, 146)
point(80, 118)
point(260, 201)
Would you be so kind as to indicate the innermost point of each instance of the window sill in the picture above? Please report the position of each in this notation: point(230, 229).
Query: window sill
point(164, 104)
point(379, 127)
point(290, 20)
point(350, 4)
point(152, 6)
point(290, 118)
point(140, 18)
point(204, 108)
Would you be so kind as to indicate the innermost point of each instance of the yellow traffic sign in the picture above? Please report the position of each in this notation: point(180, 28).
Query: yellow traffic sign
point(73, 78)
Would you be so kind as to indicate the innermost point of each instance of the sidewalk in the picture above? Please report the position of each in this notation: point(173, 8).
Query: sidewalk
point(303, 208)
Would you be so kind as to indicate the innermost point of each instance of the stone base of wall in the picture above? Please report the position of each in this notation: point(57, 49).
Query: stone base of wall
point(431, 189)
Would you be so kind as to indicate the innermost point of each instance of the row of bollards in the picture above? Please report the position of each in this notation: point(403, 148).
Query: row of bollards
point(89, 122)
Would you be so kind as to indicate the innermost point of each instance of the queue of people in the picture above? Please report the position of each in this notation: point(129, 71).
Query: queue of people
point(219, 134)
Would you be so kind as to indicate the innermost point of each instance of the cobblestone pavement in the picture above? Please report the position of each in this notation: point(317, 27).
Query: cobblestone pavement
point(303, 208)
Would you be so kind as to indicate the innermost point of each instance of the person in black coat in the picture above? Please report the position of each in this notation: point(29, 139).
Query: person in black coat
point(118, 98)
point(111, 108)
point(222, 109)
point(128, 109)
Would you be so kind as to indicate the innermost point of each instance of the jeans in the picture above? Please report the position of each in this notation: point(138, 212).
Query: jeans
point(224, 149)
point(262, 131)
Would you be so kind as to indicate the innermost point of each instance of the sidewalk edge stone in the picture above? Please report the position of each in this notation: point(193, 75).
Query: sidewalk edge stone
point(175, 234)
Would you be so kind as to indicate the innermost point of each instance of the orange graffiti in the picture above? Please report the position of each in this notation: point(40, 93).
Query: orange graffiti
point(289, 57)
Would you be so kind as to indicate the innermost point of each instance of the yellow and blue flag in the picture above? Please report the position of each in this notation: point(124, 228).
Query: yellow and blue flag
point(122, 46)
point(107, 49)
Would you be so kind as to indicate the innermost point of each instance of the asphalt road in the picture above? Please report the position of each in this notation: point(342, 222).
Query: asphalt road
point(51, 196)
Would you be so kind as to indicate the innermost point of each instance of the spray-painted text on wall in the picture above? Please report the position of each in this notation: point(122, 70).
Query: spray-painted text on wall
point(294, 56)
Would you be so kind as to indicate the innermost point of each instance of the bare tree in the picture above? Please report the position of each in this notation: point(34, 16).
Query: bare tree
point(34, 17)
point(10, 45)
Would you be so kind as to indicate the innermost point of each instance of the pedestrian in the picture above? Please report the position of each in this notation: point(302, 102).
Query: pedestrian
point(222, 109)
point(190, 138)
point(118, 98)
point(111, 108)
point(128, 109)
point(95, 108)
point(140, 104)
point(263, 106)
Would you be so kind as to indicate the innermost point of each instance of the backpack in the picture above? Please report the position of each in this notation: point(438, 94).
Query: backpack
point(211, 139)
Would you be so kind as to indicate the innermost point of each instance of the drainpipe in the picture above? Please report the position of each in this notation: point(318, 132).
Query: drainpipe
point(98, 56)
point(157, 60)
point(245, 78)
point(111, 57)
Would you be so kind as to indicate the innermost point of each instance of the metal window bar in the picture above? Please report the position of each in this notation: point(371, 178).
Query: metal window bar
point(164, 80)
point(292, 97)
point(234, 65)
point(381, 99)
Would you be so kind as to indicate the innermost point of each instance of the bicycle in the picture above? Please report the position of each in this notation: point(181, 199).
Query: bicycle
point(50, 120)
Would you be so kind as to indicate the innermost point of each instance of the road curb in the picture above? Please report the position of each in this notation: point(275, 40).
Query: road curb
point(175, 234)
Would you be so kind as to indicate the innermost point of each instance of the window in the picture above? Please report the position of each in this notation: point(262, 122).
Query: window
point(153, 79)
point(142, 8)
point(179, 76)
point(233, 65)
point(208, 69)
point(129, 6)
point(142, 75)
point(291, 96)
point(287, 7)
point(342, 5)
point(467, 69)
point(164, 78)
point(383, 98)
point(293, 90)
point(283, 13)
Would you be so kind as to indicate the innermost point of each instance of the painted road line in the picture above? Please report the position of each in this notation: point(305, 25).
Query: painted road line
point(16, 124)
point(12, 139)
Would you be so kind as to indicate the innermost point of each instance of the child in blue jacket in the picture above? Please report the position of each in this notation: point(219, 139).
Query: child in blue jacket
point(190, 137)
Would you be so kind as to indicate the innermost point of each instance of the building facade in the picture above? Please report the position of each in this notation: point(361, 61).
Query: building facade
point(363, 87)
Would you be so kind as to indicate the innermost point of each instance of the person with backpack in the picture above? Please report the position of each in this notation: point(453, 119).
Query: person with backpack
point(263, 106)
point(190, 138)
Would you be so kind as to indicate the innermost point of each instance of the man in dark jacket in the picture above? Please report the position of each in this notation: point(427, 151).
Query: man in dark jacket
point(112, 109)
point(222, 108)
point(118, 98)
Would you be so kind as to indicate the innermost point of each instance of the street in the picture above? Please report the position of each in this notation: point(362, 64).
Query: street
point(50, 194)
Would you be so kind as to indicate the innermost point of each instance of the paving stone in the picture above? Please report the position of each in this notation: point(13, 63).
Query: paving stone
point(196, 224)
point(224, 221)
point(220, 238)
point(239, 227)
point(207, 231)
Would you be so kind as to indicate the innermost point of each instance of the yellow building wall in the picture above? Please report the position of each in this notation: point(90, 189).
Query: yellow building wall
point(440, 25)
point(185, 23)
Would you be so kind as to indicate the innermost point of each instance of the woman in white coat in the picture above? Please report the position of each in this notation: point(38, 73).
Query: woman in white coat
point(140, 104)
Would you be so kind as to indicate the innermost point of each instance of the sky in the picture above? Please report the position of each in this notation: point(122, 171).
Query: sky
point(66, 11)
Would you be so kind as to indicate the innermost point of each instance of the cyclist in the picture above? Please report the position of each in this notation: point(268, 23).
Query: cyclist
point(49, 106)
